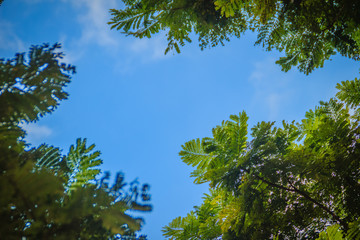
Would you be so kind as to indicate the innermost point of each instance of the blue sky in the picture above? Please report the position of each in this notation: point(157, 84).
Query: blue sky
point(139, 106)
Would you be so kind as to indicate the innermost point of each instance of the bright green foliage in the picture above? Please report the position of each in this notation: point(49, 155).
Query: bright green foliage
point(354, 230)
point(45, 194)
point(48, 157)
point(81, 161)
point(33, 86)
point(30, 86)
point(215, 156)
point(180, 18)
point(307, 31)
point(287, 182)
point(349, 92)
point(198, 224)
point(333, 232)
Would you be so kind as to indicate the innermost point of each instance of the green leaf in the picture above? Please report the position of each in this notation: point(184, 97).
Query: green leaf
point(82, 162)
point(333, 232)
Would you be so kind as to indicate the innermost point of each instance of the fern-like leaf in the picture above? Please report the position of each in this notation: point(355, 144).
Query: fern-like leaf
point(193, 154)
point(333, 232)
point(33, 86)
point(349, 92)
point(238, 132)
point(82, 163)
point(182, 228)
point(49, 157)
point(354, 230)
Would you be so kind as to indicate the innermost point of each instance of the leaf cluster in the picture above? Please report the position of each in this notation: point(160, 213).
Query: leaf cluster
point(309, 32)
point(294, 181)
point(47, 194)
point(179, 18)
point(198, 224)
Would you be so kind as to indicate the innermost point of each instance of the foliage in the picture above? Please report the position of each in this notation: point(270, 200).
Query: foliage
point(198, 224)
point(308, 31)
point(294, 181)
point(44, 193)
point(331, 233)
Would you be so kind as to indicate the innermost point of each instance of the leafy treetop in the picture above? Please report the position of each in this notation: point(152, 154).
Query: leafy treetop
point(308, 31)
point(44, 193)
point(297, 181)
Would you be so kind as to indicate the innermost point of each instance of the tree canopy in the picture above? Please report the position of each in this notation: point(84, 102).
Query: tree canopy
point(46, 194)
point(294, 181)
point(307, 31)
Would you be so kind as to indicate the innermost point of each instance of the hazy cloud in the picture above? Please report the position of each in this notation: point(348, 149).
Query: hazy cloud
point(274, 103)
point(36, 133)
point(69, 55)
point(151, 49)
point(271, 86)
point(8, 38)
point(34, 1)
point(93, 16)
point(95, 29)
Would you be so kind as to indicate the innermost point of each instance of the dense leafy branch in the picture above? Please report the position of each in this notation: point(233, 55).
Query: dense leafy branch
point(300, 180)
point(302, 193)
point(307, 31)
point(46, 194)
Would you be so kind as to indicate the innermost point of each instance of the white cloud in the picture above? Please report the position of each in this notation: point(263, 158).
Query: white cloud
point(159, 47)
point(151, 49)
point(93, 18)
point(8, 38)
point(95, 29)
point(69, 55)
point(264, 70)
point(142, 51)
point(33, 1)
point(139, 45)
point(36, 133)
point(272, 87)
point(274, 103)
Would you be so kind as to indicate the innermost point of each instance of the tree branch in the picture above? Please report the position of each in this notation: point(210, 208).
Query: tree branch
point(302, 193)
point(322, 206)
